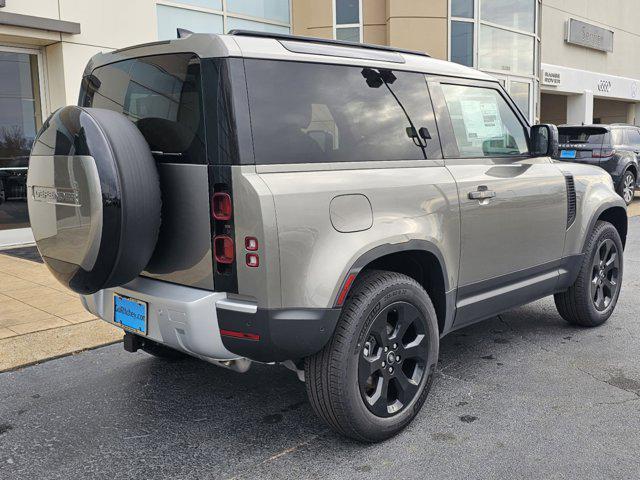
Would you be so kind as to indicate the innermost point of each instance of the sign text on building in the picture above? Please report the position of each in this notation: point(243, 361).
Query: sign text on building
point(590, 36)
point(551, 78)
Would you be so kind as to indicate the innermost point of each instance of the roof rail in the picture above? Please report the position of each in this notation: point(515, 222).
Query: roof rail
point(341, 43)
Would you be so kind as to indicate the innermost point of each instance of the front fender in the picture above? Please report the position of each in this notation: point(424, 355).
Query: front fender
point(595, 194)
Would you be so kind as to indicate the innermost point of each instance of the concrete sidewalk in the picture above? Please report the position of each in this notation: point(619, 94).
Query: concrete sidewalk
point(40, 319)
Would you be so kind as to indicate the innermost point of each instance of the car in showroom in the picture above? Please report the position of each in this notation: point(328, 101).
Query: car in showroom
point(333, 207)
point(612, 147)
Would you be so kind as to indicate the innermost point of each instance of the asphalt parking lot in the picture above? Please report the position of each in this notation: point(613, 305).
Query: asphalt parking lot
point(519, 396)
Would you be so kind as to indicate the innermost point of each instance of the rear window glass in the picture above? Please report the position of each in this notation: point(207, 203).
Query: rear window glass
point(582, 135)
point(162, 95)
point(304, 113)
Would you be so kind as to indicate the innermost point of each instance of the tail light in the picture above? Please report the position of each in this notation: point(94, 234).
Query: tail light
point(223, 249)
point(251, 244)
point(604, 153)
point(221, 207)
point(253, 260)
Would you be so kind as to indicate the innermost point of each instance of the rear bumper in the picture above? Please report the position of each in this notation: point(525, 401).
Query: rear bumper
point(276, 334)
point(191, 320)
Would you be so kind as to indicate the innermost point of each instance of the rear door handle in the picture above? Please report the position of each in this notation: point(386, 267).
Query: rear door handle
point(483, 193)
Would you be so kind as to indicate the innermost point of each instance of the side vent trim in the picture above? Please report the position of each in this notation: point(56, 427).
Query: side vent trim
point(571, 199)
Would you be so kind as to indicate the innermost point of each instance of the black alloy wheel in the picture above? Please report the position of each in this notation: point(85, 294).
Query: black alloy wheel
point(605, 271)
point(373, 377)
point(393, 359)
point(592, 298)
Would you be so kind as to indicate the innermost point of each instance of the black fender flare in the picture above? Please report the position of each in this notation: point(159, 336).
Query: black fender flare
point(381, 251)
point(594, 218)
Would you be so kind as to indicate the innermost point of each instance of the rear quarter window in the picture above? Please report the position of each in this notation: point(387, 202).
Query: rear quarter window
point(313, 113)
point(162, 95)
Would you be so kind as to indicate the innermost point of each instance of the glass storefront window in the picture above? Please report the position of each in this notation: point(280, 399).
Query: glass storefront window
point(212, 4)
point(277, 10)
point(501, 50)
point(462, 43)
point(520, 92)
point(347, 11)
point(171, 18)
point(242, 24)
point(20, 119)
point(462, 8)
point(350, 34)
point(517, 14)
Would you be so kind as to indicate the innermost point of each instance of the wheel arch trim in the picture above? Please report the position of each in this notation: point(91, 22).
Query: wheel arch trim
point(609, 206)
point(347, 280)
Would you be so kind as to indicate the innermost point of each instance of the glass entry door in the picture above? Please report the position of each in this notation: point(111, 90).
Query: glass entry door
point(521, 91)
point(20, 120)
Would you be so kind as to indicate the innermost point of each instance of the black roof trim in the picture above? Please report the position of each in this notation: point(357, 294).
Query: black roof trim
point(341, 43)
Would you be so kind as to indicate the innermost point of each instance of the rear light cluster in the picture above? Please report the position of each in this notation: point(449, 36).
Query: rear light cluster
point(223, 244)
point(604, 153)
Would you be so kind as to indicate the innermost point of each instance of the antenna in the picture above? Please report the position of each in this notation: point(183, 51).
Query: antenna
point(183, 32)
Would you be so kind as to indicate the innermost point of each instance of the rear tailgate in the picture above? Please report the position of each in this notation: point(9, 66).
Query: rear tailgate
point(582, 144)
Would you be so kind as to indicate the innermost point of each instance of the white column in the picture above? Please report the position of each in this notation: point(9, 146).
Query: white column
point(580, 108)
point(633, 114)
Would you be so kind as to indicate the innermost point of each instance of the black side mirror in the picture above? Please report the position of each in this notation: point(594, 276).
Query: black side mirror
point(544, 140)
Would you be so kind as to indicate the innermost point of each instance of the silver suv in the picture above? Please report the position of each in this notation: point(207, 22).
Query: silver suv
point(334, 207)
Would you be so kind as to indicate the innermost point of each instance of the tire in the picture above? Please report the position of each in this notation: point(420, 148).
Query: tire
point(627, 186)
point(342, 393)
point(583, 304)
point(94, 201)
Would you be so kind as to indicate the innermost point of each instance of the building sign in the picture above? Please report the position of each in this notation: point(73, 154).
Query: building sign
point(605, 86)
point(551, 78)
point(590, 36)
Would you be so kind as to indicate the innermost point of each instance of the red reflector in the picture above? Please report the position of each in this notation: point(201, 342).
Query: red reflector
point(243, 335)
point(223, 249)
point(251, 243)
point(253, 260)
point(221, 206)
point(345, 289)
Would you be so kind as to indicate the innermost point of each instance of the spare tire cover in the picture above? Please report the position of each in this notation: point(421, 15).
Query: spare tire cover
point(93, 197)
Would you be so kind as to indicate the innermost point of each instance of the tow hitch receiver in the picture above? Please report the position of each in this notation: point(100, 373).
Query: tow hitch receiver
point(132, 342)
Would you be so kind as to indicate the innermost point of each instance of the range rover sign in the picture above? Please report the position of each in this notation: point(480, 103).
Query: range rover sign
point(590, 36)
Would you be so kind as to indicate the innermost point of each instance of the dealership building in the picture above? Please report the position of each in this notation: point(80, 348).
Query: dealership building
point(45, 45)
point(563, 61)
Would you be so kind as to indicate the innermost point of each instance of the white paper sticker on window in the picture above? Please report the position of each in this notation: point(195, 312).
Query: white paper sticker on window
point(481, 119)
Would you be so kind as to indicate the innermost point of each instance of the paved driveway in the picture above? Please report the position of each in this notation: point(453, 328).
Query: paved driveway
point(520, 396)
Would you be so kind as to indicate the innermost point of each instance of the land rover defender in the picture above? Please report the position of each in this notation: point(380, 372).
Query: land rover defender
point(334, 207)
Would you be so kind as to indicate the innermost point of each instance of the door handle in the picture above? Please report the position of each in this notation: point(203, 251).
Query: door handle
point(483, 193)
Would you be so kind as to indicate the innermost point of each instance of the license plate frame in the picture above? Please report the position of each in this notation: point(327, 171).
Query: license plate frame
point(568, 154)
point(131, 314)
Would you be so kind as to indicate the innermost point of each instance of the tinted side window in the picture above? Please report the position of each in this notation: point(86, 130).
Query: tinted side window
point(634, 137)
point(304, 112)
point(483, 123)
point(161, 95)
point(617, 136)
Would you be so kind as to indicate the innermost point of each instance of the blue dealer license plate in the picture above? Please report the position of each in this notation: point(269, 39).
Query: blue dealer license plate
point(130, 313)
point(568, 154)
